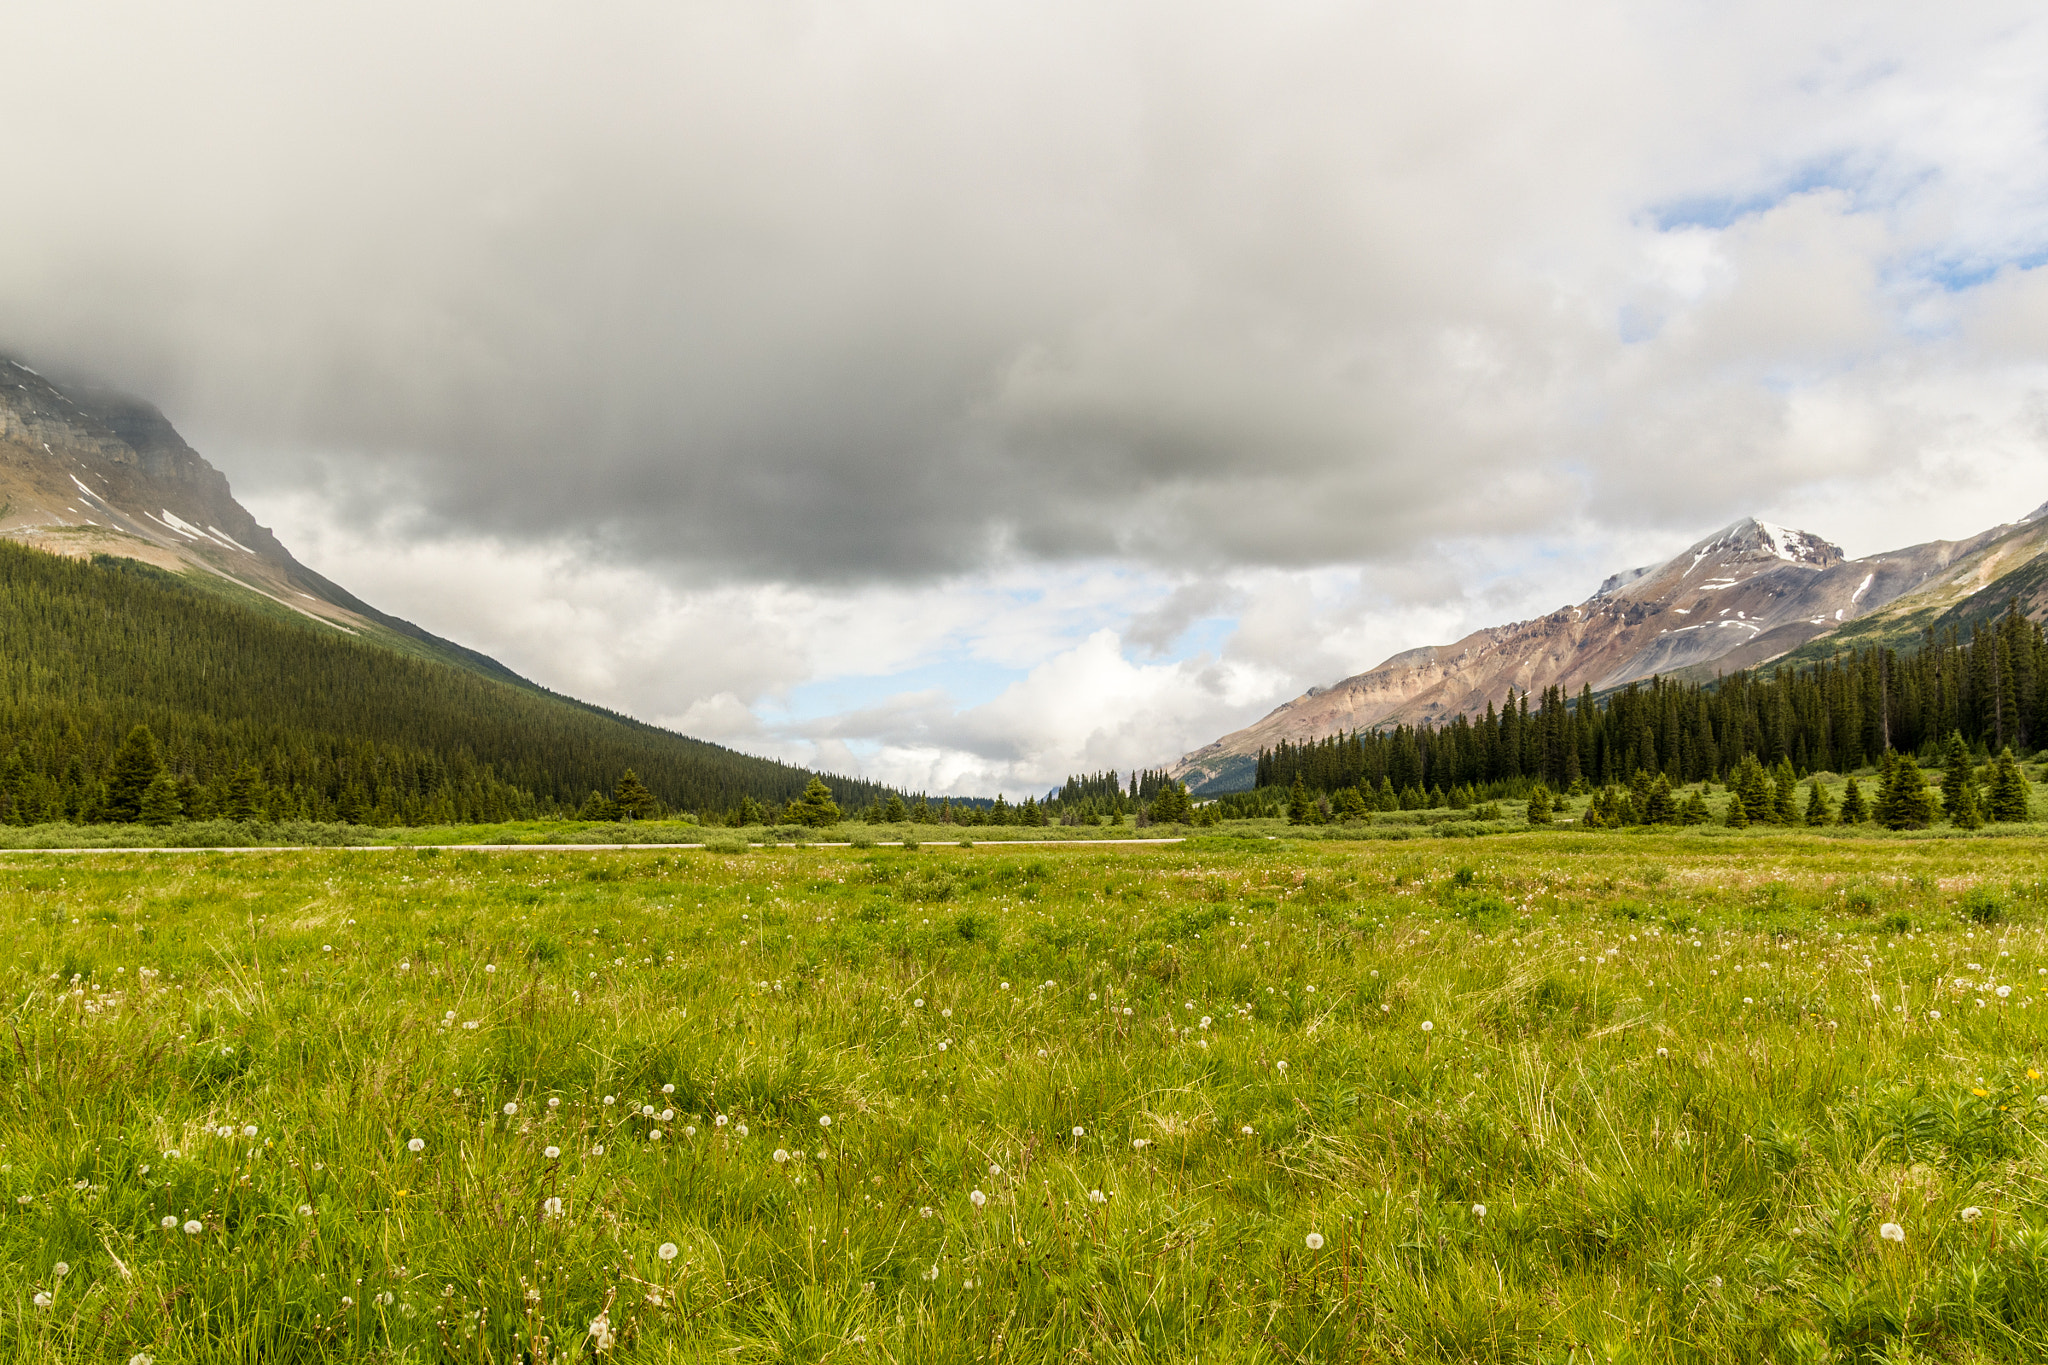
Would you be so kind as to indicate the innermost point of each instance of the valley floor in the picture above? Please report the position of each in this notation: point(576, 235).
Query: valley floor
point(1647, 1097)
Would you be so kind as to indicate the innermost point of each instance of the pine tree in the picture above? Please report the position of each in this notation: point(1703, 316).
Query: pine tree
point(159, 805)
point(2008, 788)
point(751, 812)
point(1539, 805)
point(597, 806)
point(633, 800)
point(895, 812)
point(1693, 810)
point(1350, 805)
point(1854, 810)
point(1818, 812)
point(136, 765)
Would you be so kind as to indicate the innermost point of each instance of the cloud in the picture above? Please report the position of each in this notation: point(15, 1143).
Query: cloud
point(713, 358)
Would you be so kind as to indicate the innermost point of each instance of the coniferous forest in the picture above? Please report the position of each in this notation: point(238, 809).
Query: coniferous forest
point(1838, 715)
point(248, 716)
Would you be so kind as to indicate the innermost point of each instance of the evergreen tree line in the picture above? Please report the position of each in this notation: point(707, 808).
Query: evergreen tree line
point(252, 717)
point(1837, 715)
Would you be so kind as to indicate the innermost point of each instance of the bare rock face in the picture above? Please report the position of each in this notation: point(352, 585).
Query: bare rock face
point(86, 472)
point(1744, 595)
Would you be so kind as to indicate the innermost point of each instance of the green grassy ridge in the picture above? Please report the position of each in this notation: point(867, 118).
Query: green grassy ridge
point(1654, 1061)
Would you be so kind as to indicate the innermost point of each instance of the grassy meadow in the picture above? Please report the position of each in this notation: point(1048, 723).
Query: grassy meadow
point(1698, 1096)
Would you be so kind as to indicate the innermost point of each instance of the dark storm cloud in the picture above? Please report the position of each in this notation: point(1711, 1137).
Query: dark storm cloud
point(790, 291)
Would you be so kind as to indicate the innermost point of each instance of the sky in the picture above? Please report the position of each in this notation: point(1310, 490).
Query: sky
point(968, 395)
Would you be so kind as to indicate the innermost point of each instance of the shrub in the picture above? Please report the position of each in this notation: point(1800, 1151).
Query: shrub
point(1982, 906)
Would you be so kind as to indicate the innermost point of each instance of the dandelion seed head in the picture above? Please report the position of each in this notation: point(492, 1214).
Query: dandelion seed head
point(416, 1145)
point(1891, 1232)
point(1314, 1241)
point(976, 1198)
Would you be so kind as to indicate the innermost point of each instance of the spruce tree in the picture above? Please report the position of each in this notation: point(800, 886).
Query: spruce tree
point(1908, 804)
point(1693, 810)
point(245, 795)
point(1300, 808)
point(1659, 807)
point(1784, 802)
point(1854, 811)
point(1887, 788)
point(1818, 812)
point(1539, 805)
point(2008, 788)
point(1738, 811)
point(1965, 811)
point(1753, 788)
point(816, 809)
point(159, 804)
point(633, 800)
point(136, 765)
point(1171, 805)
point(895, 813)
point(1957, 769)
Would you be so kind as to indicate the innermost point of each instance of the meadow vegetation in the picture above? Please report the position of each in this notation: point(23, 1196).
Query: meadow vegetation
point(1654, 1096)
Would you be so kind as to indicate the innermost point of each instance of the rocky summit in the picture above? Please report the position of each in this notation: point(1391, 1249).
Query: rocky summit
point(1750, 593)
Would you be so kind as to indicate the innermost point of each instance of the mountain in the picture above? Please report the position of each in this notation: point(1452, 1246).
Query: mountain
point(161, 601)
point(1748, 594)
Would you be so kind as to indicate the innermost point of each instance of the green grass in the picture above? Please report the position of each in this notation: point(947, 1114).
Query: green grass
point(1688, 1076)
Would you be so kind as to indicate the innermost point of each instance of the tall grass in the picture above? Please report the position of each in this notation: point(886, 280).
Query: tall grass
point(1544, 1098)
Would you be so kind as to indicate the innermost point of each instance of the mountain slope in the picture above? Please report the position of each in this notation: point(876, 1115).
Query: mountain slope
point(177, 610)
point(1747, 594)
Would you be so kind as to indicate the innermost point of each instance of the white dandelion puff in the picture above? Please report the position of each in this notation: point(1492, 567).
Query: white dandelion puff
point(666, 1251)
point(1314, 1240)
point(1891, 1232)
point(416, 1145)
point(976, 1198)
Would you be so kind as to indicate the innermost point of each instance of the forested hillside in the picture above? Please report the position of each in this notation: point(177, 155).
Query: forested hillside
point(292, 719)
point(1837, 714)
